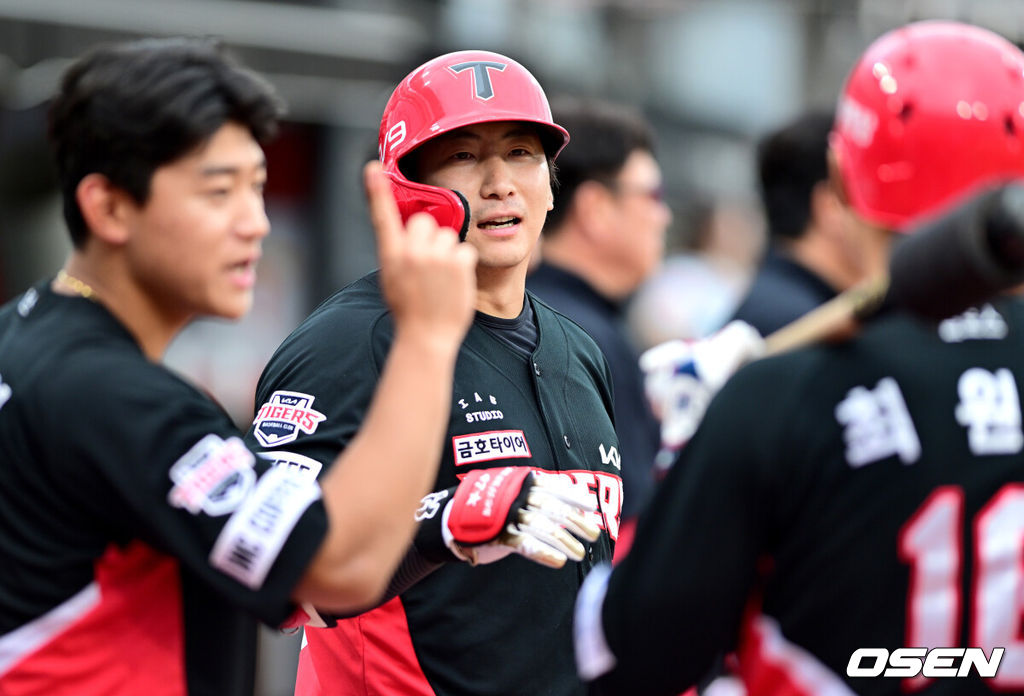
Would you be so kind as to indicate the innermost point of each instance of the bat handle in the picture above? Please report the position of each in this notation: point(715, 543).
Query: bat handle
point(837, 317)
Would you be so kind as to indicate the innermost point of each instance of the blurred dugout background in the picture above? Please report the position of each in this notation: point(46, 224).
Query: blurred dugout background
point(711, 75)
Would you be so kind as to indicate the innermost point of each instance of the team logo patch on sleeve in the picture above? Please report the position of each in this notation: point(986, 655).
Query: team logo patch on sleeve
point(494, 444)
point(253, 537)
point(281, 419)
point(212, 477)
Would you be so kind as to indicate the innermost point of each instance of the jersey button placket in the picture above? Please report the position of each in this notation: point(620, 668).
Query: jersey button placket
point(536, 368)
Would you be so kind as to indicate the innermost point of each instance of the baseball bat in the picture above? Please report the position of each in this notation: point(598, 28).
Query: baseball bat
point(943, 268)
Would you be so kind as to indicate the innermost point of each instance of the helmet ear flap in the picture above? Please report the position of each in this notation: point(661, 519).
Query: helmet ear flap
point(465, 216)
point(450, 208)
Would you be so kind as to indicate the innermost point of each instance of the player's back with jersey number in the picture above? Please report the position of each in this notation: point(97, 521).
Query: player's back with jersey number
point(868, 495)
point(901, 518)
point(918, 499)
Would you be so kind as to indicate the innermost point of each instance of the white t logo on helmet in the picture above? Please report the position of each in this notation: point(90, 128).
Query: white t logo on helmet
point(481, 78)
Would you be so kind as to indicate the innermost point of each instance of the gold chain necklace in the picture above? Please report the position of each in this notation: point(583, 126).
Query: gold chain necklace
point(75, 285)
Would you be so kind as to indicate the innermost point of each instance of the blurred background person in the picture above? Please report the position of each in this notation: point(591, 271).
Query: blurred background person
point(713, 248)
point(604, 237)
point(812, 254)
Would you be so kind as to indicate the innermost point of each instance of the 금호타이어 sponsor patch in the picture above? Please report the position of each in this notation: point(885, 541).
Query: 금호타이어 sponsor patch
point(494, 444)
point(212, 477)
point(285, 415)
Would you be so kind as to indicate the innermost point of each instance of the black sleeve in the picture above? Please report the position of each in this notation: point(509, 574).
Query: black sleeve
point(328, 369)
point(152, 458)
point(677, 599)
point(314, 393)
point(412, 568)
point(427, 553)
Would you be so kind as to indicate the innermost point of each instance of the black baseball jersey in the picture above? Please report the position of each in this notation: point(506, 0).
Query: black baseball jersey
point(135, 531)
point(503, 628)
point(868, 495)
point(637, 428)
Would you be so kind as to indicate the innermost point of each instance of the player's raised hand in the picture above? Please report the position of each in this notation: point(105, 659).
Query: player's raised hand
point(427, 277)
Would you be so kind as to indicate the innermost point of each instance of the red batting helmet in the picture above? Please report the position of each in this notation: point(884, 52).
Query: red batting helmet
point(931, 113)
point(449, 92)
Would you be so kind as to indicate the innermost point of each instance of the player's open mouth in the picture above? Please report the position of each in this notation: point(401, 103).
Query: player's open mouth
point(244, 273)
point(500, 223)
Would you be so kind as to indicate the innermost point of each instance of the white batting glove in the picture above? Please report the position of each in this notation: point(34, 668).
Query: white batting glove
point(680, 377)
point(500, 511)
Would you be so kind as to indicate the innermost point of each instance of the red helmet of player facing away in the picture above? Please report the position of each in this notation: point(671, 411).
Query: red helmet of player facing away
point(449, 92)
point(931, 113)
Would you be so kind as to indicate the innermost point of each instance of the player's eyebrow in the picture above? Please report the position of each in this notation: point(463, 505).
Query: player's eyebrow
point(520, 132)
point(227, 169)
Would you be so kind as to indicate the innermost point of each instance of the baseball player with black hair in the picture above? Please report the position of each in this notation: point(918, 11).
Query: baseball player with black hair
point(138, 534)
point(841, 503)
point(469, 138)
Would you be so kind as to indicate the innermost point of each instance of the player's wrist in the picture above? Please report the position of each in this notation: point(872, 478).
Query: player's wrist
point(431, 541)
point(458, 551)
point(429, 342)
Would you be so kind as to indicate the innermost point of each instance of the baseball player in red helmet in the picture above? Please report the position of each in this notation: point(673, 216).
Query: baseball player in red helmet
point(529, 468)
point(850, 519)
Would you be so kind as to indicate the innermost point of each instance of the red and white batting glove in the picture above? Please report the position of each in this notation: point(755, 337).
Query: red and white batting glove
point(496, 512)
point(680, 377)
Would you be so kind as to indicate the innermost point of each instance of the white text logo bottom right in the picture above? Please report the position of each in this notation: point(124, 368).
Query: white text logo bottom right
point(933, 663)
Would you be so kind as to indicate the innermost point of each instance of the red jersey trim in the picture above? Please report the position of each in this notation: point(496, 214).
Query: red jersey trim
point(124, 637)
point(27, 639)
point(367, 655)
point(770, 665)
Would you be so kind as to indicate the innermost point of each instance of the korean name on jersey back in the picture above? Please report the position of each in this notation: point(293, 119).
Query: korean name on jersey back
point(877, 423)
point(285, 415)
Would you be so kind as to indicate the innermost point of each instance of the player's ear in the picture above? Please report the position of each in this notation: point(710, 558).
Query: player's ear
point(825, 206)
point(591, 203)
point(835, 178)
point(551, 189)
point(104, 208)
